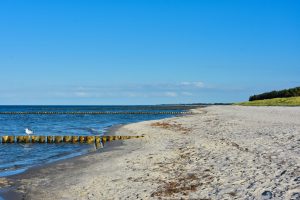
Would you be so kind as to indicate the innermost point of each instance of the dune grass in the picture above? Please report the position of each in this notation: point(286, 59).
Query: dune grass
point(291, 101)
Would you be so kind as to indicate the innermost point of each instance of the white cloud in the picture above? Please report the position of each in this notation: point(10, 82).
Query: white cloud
point(187, 93)
point(171, 94)
point(197, 84)
point(81, 94)
point(151, 90)
point(185, 83)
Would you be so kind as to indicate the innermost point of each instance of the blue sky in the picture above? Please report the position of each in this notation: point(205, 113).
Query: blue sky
point(146, 51)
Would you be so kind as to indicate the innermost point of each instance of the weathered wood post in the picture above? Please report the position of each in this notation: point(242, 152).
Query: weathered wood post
point(42, 139)
point(58, 139)
point(4, 139)
point(75, 139)
point(50, 139)
point(97, 139)
point(90, 139)
point(35, 139)
point(67, 139)
point(104, 139)
point(20, 139)
point(27, 139)
point(110, 138)
point(82, 139)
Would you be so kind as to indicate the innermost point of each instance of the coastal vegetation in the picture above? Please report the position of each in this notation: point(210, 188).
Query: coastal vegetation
point(287, 97)
point(291, 92)
point(290, 101)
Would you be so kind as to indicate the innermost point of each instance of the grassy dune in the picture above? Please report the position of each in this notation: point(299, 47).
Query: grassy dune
point(291, 101)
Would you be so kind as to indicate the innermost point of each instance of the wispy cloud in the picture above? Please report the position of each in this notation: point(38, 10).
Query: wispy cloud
point(170, 90)
point(197, 84)
point(171, 94)
point(186, 91)
point(151, 90)
point(81, 94)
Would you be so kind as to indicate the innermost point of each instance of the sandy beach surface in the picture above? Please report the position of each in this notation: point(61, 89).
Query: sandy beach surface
point(219, 152)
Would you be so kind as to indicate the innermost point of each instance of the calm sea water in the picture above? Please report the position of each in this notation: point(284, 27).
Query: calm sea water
point(16, 158)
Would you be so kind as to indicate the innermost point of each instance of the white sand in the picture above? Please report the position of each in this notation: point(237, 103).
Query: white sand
point(221, 152)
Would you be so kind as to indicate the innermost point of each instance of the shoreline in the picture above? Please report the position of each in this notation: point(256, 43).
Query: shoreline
point(10, 194)
point(219, 152)
point(11, 170)
point(13, 193)
point(13, 180)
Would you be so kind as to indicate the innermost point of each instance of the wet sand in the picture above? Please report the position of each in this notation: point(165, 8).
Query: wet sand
point(219, 152)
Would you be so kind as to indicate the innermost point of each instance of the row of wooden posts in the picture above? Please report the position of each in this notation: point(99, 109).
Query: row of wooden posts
point(65, 139)
point(91, 113)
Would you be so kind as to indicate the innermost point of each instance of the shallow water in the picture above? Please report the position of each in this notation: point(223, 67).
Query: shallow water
point(16, 158)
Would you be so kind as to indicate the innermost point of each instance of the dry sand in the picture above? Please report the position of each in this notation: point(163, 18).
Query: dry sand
point(220, 152)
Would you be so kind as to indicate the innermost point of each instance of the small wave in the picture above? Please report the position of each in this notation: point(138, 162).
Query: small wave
point(5, 173)
point(89, 130)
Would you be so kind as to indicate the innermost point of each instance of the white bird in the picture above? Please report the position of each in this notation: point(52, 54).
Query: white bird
point(28, 131)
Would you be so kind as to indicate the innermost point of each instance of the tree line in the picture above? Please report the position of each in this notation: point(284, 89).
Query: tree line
point(292, 92)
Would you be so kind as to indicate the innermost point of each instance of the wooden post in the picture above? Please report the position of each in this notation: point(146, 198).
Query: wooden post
point(11, 139)
point(104, 139)
point(82, 139)
point(8, 139)
point(35, 139)
point(98, 145)
point(75, 139)
point(27, 139)
point(50, 139)
point(90, 139)
point(20, 139)
point(123, 138)
point(42, 139)
point(97, 139)
point(67, 139)
point(110, 138)
point(58, 139)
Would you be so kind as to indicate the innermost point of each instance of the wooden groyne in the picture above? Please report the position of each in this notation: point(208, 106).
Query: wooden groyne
point(94, 113)
point(62, 139)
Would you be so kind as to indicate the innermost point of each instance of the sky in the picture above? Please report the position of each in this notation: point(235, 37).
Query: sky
point(109, 52)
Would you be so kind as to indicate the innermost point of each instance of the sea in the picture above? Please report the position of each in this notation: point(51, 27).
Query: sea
point(65, 120)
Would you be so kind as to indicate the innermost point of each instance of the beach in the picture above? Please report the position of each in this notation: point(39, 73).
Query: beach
point(218, 152)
